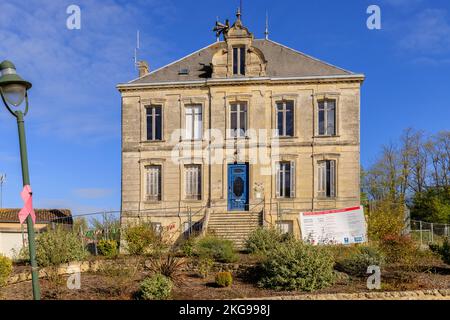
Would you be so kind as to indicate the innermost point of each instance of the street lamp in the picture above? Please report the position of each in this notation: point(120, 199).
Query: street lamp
point(13, 90)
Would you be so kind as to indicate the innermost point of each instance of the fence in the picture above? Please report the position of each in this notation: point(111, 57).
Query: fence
point(427, 232)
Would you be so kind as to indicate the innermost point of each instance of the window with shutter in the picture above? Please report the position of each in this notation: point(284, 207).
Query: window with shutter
point(285, 180)
point(327, 179)
point(193, 182)
point(193, 130)
point(153, 183)
point(238, 119)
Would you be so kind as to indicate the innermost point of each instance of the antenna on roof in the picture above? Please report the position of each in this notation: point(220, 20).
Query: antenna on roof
point(217, 34)
point(138, 46)
point(266, 33)
point(2, 180)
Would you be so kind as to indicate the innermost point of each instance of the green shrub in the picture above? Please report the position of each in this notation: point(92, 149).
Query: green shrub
point(204, 266)
point(6, 268)
point(140, 238)
point(294, 265)
point(188, 247)
point(224, 279)
point(156, 287)
point(59, 246)
point(443, 250)
point(108, 248)
point(356, 264)
point(400, 249)
point(262, 240)
point(386, 218)
point(216, 248)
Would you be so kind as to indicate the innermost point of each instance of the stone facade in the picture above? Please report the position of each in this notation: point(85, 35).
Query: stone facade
point(261, 87)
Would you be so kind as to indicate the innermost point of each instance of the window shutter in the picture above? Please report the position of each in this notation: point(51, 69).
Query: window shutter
point(332, 178)
point(321, 179)
point(198, 123)
point(292, 179)
point(189, 117)
point(199, 182)
point(148, 182)
point(278, 180)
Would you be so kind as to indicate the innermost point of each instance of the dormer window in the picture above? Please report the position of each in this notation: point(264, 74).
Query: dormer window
point(239, 61)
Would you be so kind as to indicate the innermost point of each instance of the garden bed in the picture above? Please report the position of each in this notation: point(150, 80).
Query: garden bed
point(100, 286)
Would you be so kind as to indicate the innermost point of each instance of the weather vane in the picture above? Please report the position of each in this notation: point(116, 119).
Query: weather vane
point(221, 28)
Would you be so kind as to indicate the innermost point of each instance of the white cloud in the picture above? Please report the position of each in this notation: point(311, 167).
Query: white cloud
point(74, 72)
point(402, 3)
point(428, 33)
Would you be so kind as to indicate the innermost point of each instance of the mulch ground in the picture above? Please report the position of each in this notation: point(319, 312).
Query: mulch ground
point(98, 286)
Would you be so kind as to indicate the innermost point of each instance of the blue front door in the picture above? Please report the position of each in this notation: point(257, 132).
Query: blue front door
point(237, 187)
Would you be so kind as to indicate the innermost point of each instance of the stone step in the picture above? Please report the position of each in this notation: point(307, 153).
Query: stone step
point(227, 225)
point(235, 227)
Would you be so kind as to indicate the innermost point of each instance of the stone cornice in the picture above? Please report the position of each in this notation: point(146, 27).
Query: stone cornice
point(354, 78)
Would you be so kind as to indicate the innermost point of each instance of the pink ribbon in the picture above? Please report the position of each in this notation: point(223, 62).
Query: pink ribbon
point(27, 197)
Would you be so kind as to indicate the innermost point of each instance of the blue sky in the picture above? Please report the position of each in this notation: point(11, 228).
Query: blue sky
point(73, 127)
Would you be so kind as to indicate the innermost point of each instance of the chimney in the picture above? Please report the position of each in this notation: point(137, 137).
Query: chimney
point(143, 68)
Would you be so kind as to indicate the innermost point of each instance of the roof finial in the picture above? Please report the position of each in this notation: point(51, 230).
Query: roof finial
point(266, 33)
point(238, 14)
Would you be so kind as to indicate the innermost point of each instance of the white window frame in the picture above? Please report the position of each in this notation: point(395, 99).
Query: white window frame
point(284, 111)
point(152, 107)
point(153, 184)
point(323, 181)
point(241, 106)
point(193, 181)
point(193, 122)
point(281, 192)
point(326, 111)
point(240, 50)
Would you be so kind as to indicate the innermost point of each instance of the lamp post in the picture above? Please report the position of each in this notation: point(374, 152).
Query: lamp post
point(13, 90)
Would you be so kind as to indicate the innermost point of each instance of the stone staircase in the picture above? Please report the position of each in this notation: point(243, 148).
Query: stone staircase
point(234, 226)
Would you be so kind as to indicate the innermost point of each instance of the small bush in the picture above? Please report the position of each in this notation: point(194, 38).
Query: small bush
point(119, 276)
point(357, 263)
point(215, 248)
point(140, 238)
point(156, 287)
point(385, 219)
point(400, 249)
point(297, 266)
point(188, 247)
point(169, 266)
point(262, 240)
point(58, 246)
point(204, 266)
point(6, 268)
point(108, 248)
point(224, 279)
point(443, 250)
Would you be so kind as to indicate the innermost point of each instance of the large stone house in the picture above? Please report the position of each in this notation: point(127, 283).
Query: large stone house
point(241, 133)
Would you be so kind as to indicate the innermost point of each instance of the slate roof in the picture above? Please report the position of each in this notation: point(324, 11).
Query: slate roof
point(282, 62)
point(42, 216)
